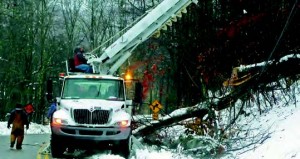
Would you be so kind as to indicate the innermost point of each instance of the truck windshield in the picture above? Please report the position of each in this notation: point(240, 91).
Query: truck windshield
point(95, 88)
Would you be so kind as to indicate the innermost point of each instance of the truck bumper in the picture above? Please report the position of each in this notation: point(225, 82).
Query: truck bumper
point(81, 136)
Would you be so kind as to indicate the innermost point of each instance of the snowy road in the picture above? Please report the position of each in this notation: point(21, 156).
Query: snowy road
point(35, 147)
point(31, 146)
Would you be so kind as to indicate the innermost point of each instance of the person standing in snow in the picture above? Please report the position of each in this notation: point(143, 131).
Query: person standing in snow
point(80, 62)
point(18, 119)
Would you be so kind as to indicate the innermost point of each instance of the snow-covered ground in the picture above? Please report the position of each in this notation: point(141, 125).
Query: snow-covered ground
point(277, 131)
point(147, 153)
point(33, 129)
point(283, 135)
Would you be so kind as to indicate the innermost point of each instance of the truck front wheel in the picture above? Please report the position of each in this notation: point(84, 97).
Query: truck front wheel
point(57, 148)
point(123, 148)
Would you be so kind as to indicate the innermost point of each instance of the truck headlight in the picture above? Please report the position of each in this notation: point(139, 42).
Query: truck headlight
point(122, 123)
point(59, 121)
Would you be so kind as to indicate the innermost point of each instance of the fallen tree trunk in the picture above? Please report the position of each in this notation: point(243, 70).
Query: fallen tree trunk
point(174, 117)
point(261, 75)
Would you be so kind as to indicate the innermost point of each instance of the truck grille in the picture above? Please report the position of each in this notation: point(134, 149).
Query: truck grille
point(84, 116)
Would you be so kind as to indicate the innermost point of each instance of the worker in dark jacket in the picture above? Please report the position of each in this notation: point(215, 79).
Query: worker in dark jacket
point(18, 119)
point(80, 61)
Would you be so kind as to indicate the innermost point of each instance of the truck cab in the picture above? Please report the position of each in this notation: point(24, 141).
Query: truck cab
point(91, 110)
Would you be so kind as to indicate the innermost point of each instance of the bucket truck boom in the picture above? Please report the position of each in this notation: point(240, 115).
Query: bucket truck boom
point(159, 18)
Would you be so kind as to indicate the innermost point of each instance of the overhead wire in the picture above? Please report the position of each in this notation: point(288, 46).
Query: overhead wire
point(279, 38)
point(289, 18)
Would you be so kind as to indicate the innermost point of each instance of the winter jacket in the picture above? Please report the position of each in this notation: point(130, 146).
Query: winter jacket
point(79, 59)
point(18, 118)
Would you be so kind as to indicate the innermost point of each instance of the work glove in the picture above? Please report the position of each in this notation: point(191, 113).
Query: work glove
point(27, 127)
point(8, 126)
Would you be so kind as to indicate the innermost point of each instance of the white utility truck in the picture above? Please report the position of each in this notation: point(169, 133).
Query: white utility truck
point(92, 110)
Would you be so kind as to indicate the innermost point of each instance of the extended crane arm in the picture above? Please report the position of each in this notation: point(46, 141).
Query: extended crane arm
point(159, 18)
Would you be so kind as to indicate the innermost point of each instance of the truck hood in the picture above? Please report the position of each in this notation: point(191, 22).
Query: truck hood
point(92, 103)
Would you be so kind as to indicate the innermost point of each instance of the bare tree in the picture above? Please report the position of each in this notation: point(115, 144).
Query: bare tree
point(71, 11)
point(99, 21)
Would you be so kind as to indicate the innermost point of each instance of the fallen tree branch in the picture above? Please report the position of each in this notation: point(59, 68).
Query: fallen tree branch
point(287, 66)
point(176, 116)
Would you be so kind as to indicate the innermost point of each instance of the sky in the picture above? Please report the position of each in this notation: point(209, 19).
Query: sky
point(276, 130)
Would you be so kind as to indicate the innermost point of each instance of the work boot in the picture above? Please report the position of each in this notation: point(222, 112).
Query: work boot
point(12, 145)
point(18, 147)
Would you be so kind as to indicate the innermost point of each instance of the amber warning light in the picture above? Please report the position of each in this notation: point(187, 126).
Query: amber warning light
point(128, 76)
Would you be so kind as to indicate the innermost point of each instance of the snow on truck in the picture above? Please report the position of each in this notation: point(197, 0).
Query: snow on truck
point(93, 110)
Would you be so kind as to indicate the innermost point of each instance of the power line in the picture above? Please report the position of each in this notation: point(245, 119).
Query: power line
point(264, 68)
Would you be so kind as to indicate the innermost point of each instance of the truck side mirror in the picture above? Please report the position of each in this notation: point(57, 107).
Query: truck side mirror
point(138, 93)
point(58, 99)
point(49, 93)
point(128, 102)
